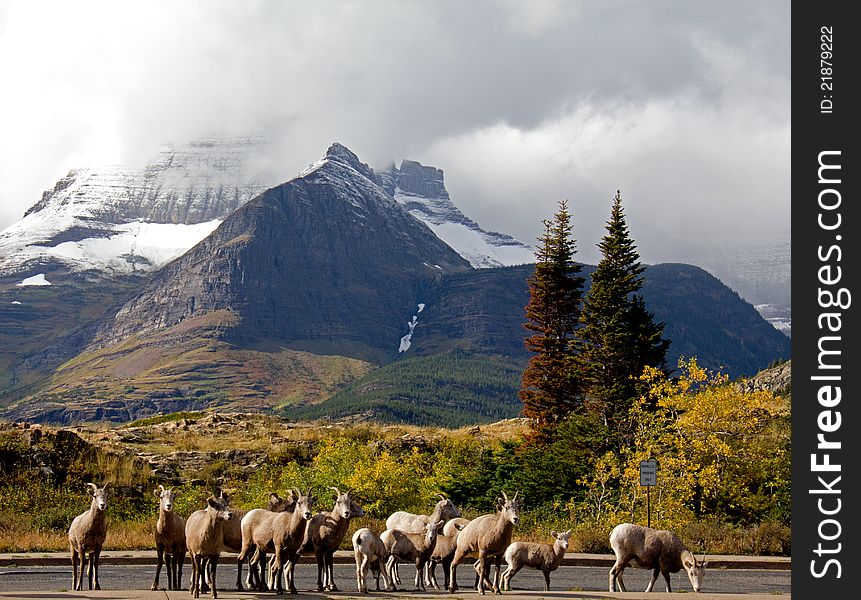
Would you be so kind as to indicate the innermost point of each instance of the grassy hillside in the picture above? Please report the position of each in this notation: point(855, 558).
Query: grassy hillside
point(452, 389)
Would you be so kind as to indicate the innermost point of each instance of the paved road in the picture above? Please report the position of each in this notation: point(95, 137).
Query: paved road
point(47, 579)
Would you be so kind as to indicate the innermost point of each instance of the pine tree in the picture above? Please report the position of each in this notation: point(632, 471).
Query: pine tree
point(619, 335)
point(551, 387)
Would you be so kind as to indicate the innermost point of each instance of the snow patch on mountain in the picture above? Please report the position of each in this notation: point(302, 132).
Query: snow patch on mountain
point(421, 190)
point(118, 220)
point(35, 280)
point(406, 341)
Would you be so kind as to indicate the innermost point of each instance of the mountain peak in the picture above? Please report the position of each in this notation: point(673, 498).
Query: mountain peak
point(341, 154)
point(416, 178)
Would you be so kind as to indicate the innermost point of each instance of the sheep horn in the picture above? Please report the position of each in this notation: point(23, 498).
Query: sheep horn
point(337, 491)
point(442, 496)
point(296, 492)
point(92, 486)
point(504, 495)
point(515, 495)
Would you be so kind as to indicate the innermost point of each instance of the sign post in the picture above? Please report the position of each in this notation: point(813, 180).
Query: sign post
point(648, 478)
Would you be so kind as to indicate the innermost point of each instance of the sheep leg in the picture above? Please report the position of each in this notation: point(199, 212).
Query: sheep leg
point(616, 574)
point(319, 572)
point(497, 564)
point(239, 587)
point(330, 571)
point(655, 572)
point(510, 572)
point(168, 564)
point(419, 582)
point(75, 560)
point(213, 567)
point(446, 565)
point(452, 578)
point(667, 578)
point(431, 574)
point(482, 563)
point(361, 571)
point(178, 561)
point(546, 581)
point(195, 575)
point(390, 568)
point(291, 583)
point(159, 555)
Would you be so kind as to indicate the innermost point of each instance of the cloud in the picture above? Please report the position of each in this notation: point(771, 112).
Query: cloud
point(685, 106)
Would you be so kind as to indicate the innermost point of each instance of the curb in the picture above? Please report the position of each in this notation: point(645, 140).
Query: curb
point(116, 557)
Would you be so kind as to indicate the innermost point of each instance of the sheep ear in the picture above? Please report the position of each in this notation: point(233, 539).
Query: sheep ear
point(213, 503)
point(554, 534)
point(273, 497)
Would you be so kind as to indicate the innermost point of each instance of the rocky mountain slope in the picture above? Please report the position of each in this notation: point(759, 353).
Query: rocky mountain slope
point(307, 288)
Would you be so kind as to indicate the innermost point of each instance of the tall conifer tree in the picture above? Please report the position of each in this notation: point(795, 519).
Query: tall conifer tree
point(619, 335)
point(551, 387)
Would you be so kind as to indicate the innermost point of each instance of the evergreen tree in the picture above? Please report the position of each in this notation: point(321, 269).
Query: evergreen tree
point(619, 335)
point(551, 387)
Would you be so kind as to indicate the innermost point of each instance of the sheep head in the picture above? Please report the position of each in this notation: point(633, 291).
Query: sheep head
point(510, 508)
point(695, 569)
point(165, 498)
point(99, 494)
point(562, 538)
point(220, 507)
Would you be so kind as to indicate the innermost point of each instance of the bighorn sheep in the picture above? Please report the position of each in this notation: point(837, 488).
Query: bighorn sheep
point(324, 534)
point(443, 551)
point(169, 540)
point(281, 533)
point(204, 539)
point(411, 547)
point(370, 551)
point(487, 536)
point(412, 523)
point(87, 535)
point(232, 529)
point(544, 557)
point(659, 550)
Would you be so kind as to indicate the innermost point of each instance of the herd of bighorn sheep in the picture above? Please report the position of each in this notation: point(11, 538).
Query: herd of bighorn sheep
point(288, 528)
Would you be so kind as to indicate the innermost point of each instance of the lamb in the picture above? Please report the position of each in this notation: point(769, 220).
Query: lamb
point(169, 540)
point(87, 535)
point(412, 547)
point(659, 550)
point(545, 557)
point(370, 551)
point(324, 535)
point(488, 536)
point(279, 532)
point(204, 539)
point(443, 552)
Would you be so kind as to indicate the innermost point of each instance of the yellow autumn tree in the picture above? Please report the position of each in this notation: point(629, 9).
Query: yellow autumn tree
point(723, 453)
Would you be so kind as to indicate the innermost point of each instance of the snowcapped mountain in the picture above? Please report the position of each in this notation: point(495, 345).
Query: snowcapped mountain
point(118, 220)
point(421, 190)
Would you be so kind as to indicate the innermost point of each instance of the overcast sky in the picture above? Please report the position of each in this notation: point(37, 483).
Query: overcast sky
point(684, 106)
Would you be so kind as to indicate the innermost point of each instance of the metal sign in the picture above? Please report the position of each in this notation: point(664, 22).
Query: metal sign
point(648, 472)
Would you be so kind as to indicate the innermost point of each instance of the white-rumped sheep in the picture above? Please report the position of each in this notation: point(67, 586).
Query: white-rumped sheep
point(324, 535)
point(87, 535)
point(544, 557)
point(411, 547)
point(656, 549)
point(370, 552)
point(281, 533)
point(232, 529)
point(443, 551)
point(413, 523)
point(204, 540)
point(169, 540)
point(487, 537)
